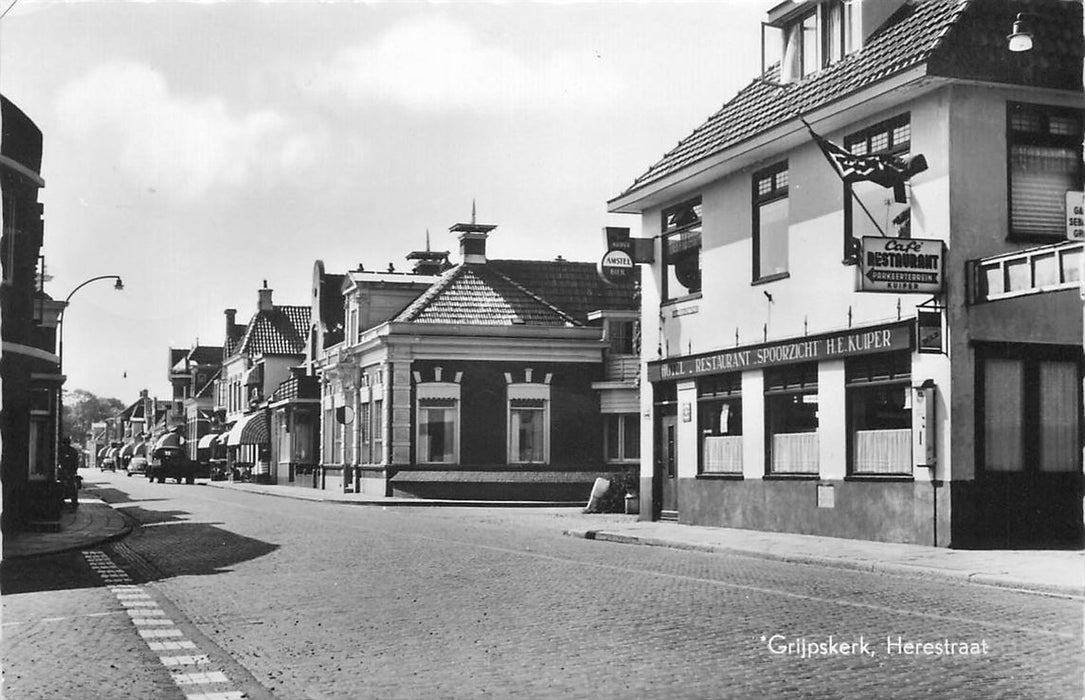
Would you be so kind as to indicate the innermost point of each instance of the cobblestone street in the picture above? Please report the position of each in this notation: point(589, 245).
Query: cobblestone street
point(321, 600)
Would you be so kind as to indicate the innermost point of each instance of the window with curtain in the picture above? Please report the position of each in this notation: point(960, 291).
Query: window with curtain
point(719, 417)
point(1044, 146)
point(879, 410)
point(791, 419)
point(529, 423)
point(1003, 404)
point(770, 223)
point(1059, 417)
point(682, 250)
point(437, 431)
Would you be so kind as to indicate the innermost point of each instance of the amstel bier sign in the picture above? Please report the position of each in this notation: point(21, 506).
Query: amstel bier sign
point(901, 265)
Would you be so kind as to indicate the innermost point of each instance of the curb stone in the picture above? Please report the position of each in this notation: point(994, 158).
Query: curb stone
point(906, 570)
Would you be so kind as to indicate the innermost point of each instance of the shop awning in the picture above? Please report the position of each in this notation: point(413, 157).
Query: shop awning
point(249, 430)
point(104, 451)
point(208, 441)
point(127, 450)
point(169, 441)
point(140, 450)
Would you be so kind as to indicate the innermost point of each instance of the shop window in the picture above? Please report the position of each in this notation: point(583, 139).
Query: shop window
point(770, 218)
point(438, 423)
point(682, 250)
point(622, 437)
point(365, 415)
point(1044, 163)
point(719, 415)
point(869, 208)
point(879, 414)
point(39, 457)
point(791, 419)
point(529, 423)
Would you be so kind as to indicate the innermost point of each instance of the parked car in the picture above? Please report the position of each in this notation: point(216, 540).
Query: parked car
point(170, 463)
point(137, 465)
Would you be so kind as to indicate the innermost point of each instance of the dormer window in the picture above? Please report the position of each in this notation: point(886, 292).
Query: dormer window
point(815, 39)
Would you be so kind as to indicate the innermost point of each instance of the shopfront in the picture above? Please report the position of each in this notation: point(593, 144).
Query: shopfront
point(815, 434)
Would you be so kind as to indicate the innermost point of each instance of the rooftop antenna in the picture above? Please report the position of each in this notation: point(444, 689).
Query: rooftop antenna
point(473, 210)
point(427, 239)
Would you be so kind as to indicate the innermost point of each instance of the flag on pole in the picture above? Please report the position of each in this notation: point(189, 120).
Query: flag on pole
point(882, 169)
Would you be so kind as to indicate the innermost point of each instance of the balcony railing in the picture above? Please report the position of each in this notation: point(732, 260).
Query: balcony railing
point(1035, 271)
point(621, 368)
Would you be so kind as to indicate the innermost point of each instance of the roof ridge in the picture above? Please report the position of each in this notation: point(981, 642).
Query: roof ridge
point(568, 319)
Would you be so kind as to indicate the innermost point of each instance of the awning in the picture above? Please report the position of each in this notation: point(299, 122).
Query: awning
point(255, 375)
point(208, 441)
point(169, 441)
point(102, 452)
point(140, 450)
point(127, 449)
point(249, 430)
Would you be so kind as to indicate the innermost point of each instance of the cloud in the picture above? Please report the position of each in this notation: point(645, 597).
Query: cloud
point(437, 64)
point(182, 147)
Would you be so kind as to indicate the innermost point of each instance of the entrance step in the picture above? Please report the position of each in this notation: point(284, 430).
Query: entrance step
point(669, 516)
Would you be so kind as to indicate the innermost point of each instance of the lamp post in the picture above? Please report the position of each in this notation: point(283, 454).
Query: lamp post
point(118, 285)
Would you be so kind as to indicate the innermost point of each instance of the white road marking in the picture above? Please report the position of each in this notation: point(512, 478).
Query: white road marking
point(191, 660)
point(200, 678)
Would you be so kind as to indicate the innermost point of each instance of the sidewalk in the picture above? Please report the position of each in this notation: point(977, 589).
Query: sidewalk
point(92, 524)
point(1059, 572)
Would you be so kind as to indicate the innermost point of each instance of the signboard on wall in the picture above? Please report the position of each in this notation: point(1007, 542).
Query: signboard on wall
point(616, 267)
point(901, 265)
point(1075, 216)
point(830, 346)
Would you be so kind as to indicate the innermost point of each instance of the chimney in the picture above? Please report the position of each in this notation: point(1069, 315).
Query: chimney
point(265, 299)
point(429, 262)
point(473, 239)
point(231, 317)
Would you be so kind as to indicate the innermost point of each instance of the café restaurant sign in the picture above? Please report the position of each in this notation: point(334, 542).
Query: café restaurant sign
point(830, 346)
point(901, 265)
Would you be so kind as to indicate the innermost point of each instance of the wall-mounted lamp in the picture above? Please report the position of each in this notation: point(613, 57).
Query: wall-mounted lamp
point(1021, 38)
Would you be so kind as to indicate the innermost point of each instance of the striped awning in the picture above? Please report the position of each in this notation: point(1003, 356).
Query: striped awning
point(249, 430)
point(208, 441)
point(169, 441)
point(104, 451)
point(129, 448)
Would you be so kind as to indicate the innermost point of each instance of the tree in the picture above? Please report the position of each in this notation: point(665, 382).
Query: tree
point(82, 408)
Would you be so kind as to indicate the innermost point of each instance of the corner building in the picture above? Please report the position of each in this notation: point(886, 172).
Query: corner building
point(827, 355)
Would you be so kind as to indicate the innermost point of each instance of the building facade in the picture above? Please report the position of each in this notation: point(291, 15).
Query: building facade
point(842, 339)
point(481, 380)
point(29, 366)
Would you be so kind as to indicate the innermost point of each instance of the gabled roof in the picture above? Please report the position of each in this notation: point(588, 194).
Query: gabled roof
point(954, 38)
point(282, 330)
point(205, 355)
point(480, 295)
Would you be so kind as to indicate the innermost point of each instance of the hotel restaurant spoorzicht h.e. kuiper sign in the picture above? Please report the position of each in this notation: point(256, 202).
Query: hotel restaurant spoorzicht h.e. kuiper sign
point(830, 346)
point(901, 265)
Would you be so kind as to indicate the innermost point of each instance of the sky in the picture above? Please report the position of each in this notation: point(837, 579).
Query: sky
point(198, 149)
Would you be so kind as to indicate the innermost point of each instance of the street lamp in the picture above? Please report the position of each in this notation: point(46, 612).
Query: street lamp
point(118, 285)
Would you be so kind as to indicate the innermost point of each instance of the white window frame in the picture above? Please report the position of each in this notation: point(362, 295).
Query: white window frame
point(531, 392)
point(622, 421)
point(436, 390)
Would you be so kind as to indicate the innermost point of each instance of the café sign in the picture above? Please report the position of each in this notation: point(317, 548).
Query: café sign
point(901, 265)
point(829, 346)
point(616, 267)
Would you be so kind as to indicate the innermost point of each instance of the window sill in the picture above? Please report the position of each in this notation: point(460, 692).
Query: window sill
point(713, 476)
point(792, 477)
point(770, 278)
point(679, 300)
point(902, 478)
